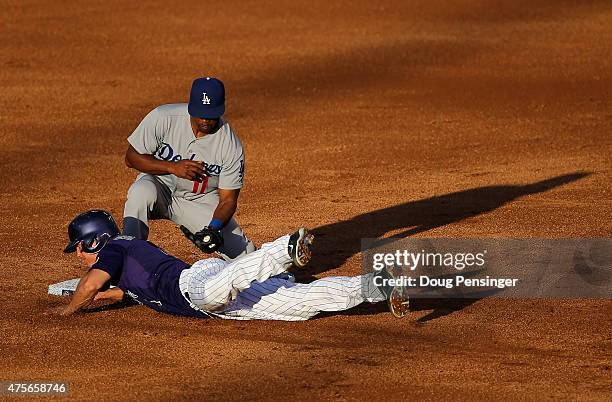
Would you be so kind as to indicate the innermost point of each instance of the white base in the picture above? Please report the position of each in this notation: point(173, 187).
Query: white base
point(65, 288)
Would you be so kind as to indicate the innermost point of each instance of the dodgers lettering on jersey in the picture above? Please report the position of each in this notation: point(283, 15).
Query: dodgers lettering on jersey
point(166, 133)
point(146, 274)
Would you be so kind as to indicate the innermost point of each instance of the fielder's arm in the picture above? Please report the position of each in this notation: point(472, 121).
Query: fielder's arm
point(228, 202)
point(186, 169)
point(86, 291)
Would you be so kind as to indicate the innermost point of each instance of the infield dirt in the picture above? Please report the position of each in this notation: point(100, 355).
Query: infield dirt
point(359, 119)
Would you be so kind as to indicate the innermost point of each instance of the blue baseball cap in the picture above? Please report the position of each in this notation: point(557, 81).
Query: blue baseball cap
point(207, 99)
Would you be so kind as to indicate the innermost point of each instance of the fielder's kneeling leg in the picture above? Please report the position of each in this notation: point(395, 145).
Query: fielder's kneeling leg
point(148, 198)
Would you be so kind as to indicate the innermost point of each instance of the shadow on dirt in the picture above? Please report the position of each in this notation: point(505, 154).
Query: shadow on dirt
point(341, 240)
point(125, 303)
point(439, 307)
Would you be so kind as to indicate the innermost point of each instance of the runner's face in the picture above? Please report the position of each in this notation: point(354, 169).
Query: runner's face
point(88, 259)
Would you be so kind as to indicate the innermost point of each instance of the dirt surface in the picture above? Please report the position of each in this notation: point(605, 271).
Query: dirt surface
point(360, 119)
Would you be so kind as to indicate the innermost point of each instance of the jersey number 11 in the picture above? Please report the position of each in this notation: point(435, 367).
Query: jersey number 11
point(200, 186)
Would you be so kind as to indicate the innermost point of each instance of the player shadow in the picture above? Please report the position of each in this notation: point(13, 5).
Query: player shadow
point(337, 242)
point(443, 306)
point(439, 307)
point(111, 306)
point(426, 298)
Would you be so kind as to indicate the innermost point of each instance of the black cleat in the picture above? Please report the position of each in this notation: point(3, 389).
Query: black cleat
point(397, 295)
point(399, 303)
point(299, 247)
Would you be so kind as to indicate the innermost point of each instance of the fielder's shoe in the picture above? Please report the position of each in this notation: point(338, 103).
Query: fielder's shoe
point(299, 247)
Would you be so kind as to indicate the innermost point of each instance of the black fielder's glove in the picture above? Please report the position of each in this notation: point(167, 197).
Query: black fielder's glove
point(208, 240)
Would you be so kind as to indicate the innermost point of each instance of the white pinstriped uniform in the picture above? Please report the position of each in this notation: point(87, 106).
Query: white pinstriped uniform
point(253, 288)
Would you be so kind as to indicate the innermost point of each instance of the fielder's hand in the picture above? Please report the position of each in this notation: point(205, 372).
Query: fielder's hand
point(188, 169)
point(208, 240)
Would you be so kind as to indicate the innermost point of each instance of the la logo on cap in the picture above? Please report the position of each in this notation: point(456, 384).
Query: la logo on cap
point(207, 98)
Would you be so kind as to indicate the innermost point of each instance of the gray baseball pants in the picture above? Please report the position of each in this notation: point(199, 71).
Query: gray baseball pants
point(150, 198)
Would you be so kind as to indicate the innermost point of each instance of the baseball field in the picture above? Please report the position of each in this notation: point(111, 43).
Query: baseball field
point(459, 119)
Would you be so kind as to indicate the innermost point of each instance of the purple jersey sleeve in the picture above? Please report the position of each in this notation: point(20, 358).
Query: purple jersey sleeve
point(110, 260)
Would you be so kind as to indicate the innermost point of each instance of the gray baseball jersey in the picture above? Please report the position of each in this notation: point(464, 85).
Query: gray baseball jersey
point(166, 134)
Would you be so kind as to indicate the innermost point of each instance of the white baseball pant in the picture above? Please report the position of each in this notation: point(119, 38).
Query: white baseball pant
point(252, 287)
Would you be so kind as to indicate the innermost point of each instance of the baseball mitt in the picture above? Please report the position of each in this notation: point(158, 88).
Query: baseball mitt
point(208, 240)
